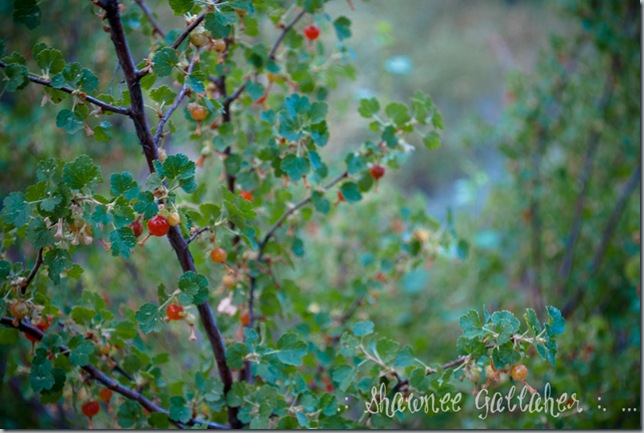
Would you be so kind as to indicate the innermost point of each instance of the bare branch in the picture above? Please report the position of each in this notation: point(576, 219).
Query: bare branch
point(148, 13)
point(586, 174)
point(607, 235)
point(176, 103)
point(108, 381)
point(196, 234)
point(95, 101)
point(32, 274)
point(285, 30)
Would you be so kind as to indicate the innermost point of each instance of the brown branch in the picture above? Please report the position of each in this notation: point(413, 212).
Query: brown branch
point(95, 101)
point(32, 274)
point(148, 13)
point(196, 234)
point(586, 174)
point(193, 25)
point(108, 381)
point(177, 101)
point(607, 235)
point(285, 30)
point(146, 140)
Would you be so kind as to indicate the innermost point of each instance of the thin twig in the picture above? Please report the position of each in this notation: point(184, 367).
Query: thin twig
point(101, 104)
point(285, 30)
point(148, 13)
point(193, 25)
point(607, 235)
point(33, 272)
point(177, 101)
point(106, 380)
point(236, 94)
point(196, 234)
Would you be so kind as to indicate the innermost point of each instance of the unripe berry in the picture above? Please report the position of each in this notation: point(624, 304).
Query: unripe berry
point(174, 219)
point(197, 112)
point(519, 372)
point(218, 255)
point(228, 281)
point(19, 309)
point(219, 45)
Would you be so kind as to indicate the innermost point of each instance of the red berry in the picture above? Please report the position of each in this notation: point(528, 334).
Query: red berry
point(105, 394)
point(311, 32)
point(90, 409)
point(218, 255)
point(340, 196)
point(137, 228)
point(19, 309)
point(174, 312)
point(377, 171)
point(158, 226)
point(247, 195)
point(42, 323)
point(245, 319)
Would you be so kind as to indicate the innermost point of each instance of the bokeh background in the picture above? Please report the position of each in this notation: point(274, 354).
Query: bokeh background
point(520, 85)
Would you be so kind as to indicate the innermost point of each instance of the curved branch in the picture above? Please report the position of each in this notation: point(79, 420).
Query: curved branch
point(108, 381)
point(285, 30)
point(186, 32)
point(32, 274)
point(196, 234)
point(176, 103)
point(95, 101)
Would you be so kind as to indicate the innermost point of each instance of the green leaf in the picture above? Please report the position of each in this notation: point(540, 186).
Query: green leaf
point(123, 184)
point(362, 329)
point(320, 203)
point(82, 315)
point(506, 325)
point(343, 376)
point(398, 113)
point(159, 420)
point(389, 136)
point(181, 169)
point(297, 246)
point(235, 354)
point(471, 346)
point(38, 234)
point(81, 349)
point(405, 358)
point(355, 163)
point(432, 140)
point(471, 324)
point(164, 61)
point(163, 95)
point(41, 376)
point(16, 210)
point(50, 61)
point(532, 320)
point(351, 192)
point(387, 349)
point(69, 121)
point(303, 420)
point(129, 414)
point(81, 172)
point(150, 318)
point(220, 24)
point(557, 322)
point(57, 260)
point(123, 241)
point(179, 411)
point(369, 107)
point(505, 355)
point(180, 7)
point(194, 288)
point(295, 167)
point(342, 27)
point(5, 270)
point(26, 12)
point(146, 205)
point(18, 77)
point(291, 349)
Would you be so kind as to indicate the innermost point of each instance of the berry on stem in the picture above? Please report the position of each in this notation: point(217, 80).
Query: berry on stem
point(90, 409)
point(247, 195)
point(245, 319)
point(105, 394)
point(137, 228)
point(377, 171)
point(174, 219)
point(19, 309)
point(218, 255)
point(519, 372)
point(197, 112)
point(311, 32)
point(175, 312)
point(158, 226)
